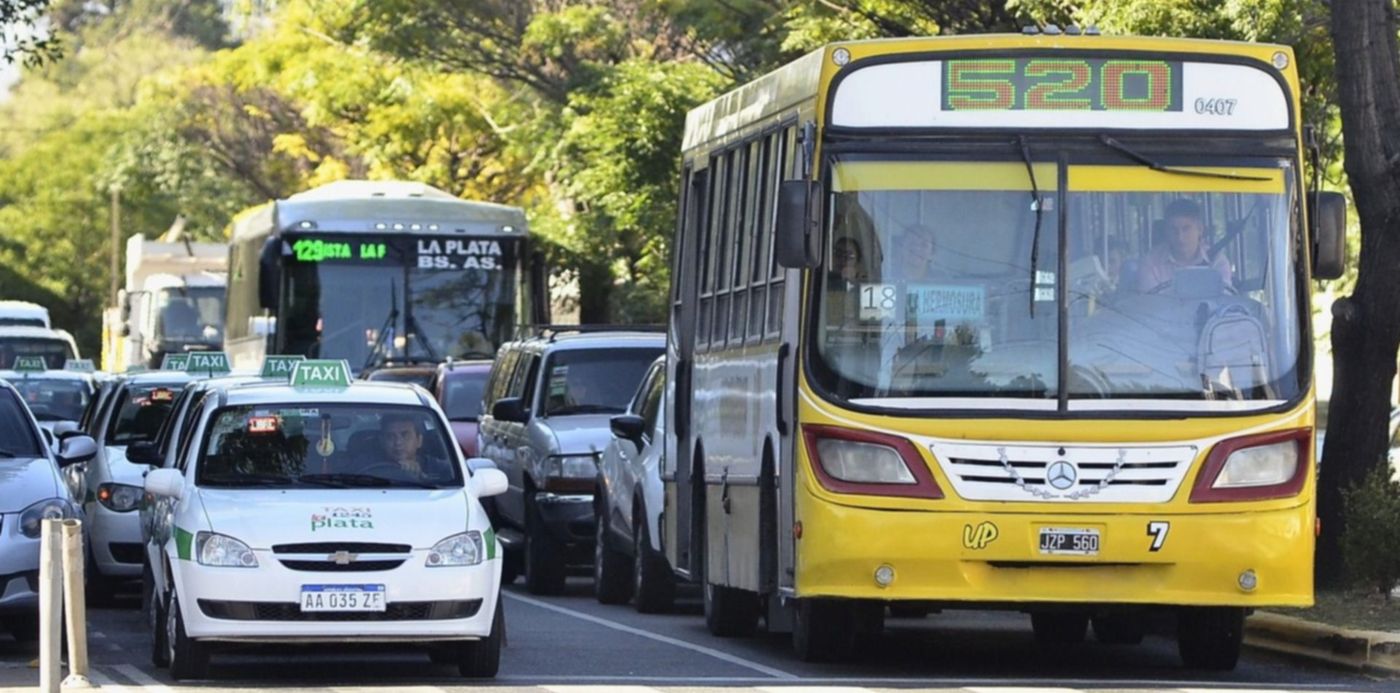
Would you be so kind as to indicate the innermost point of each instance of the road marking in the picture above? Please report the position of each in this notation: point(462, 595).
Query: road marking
point(724, 656)
point(105, 681)
point(141, 677)
point(813, 689)
point(1010, 689)
point(600, 689)
point(397, 689)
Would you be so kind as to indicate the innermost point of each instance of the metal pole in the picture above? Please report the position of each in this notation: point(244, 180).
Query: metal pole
point(50, 607)
point(75, 603)
point(116, 223)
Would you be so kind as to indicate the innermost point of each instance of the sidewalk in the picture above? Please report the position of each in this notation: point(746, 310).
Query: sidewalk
point(1376, 652)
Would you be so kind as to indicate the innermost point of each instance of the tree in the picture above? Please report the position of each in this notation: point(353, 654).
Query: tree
point(20, 34)
point(1366, 324)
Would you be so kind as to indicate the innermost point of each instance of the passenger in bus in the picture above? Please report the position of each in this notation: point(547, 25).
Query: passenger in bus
point(846, 270)
point(1184, 246)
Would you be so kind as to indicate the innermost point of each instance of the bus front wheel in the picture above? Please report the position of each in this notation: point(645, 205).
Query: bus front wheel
point(1210, 637)
point(823, 630)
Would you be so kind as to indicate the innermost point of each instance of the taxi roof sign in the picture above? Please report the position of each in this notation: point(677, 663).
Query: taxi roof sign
point(80, 365)
point(30, 364)
point(209, 362)
point(174, 362)
point(321, 373)
point(280, 366)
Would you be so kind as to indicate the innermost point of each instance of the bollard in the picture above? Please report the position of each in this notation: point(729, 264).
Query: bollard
point(50, 606)
point(75, 605)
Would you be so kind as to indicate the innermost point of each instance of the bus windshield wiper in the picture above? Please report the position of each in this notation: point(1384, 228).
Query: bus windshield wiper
point(1038, 204)
point(1143, 159)
point(381, 341)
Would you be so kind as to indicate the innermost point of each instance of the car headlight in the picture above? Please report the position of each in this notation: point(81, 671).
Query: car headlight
point(1263, 465)
point(221, 551)
point(456, 550)
point(571, 466)
point(31, 519)
point(863, 463)
point(120, 498)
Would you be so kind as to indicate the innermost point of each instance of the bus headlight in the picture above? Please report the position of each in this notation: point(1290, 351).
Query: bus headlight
point(1255, 467)
point(219, 551)
point(862, 463)
point(457, 550)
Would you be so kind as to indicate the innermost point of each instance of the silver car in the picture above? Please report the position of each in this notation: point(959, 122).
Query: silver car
point(31, 491)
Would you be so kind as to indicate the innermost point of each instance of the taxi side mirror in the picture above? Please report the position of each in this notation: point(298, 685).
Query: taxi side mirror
point(75, 449)
point(488, 482)
point(510, 409)
point(628, 427)
point(165, 483)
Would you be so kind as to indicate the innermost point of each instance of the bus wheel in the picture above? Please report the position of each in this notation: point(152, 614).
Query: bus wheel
point(1210, 637)
point(823, 630)
point(730, 612)
point(1119, 629)
point(1059, 628)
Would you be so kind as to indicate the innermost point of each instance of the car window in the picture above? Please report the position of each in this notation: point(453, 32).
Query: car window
point(530, 374)
point(187, 429)
point(17, 438)
point(138, 413)
point(53, 399)
point(585, 381)
point(327, 446)
point(177, 410)
point(651, 405)
point(501, 373)
point(461, 396)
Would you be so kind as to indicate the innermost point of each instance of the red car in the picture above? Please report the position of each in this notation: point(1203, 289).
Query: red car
point(458, 386)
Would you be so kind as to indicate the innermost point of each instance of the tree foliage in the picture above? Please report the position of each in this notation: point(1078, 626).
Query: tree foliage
point(21, 36)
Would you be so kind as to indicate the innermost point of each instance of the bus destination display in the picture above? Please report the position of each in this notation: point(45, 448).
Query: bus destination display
point(1062, 84)
point(421, 253)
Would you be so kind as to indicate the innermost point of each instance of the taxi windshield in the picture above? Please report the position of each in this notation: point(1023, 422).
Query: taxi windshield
point(328, 446)
point(141, 413)
point(52, 399)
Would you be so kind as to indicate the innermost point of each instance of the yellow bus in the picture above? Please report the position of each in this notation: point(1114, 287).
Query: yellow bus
point(1010, 322)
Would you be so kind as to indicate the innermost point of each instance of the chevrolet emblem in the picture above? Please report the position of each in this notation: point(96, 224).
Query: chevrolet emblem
point(343, 557)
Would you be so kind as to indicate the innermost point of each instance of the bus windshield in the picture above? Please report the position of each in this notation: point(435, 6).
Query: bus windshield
point(1173, 286)
point(393, 307)
point(191, 315)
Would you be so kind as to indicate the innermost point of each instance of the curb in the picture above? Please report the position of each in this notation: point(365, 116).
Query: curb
point(1372, 651)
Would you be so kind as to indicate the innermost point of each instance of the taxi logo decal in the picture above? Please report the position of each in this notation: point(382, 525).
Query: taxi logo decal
point(977, 538)
point(342, 518)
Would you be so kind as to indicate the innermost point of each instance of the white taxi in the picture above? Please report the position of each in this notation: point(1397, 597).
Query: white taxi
point(325, 510)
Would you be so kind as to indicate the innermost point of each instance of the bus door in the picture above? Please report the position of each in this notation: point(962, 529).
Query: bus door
point(680, 364)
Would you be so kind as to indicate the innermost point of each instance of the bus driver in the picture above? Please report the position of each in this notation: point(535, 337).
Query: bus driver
point(1184, 247)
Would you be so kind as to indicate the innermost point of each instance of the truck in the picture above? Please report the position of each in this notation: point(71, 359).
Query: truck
point(172, 302)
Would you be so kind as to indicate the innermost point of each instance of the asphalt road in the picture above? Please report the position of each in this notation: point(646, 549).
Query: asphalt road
point(572, 644)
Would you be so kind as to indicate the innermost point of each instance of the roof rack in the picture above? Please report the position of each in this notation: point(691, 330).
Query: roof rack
point(550, 332)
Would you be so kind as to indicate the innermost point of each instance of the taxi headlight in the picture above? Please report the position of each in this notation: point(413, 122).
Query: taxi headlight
point(1264, 465)
point(223, 552)
point(31, 519)
point(121, 498)
point(456, 550)
point(571, 466)
point(864, 463)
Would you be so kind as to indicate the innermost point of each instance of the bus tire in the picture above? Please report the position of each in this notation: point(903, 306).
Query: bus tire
point(653, 583)
point(612, 569)
point(1058, 628)
point(1120, 629)
point(730, 612)
point(545, 569)
point(823, 630)
point(1209, 638)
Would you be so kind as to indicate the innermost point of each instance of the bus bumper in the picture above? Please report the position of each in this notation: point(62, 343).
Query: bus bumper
point(996, 558)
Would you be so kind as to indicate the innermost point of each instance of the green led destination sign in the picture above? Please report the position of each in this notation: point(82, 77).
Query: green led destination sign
point(320, 250)
point(416, 252)
point(1062, 84)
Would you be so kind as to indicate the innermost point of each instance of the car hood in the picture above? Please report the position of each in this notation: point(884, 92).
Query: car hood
point(121, 471)
point(581, 433)
point(261, 518)
point(465, 431)
point(23, 481)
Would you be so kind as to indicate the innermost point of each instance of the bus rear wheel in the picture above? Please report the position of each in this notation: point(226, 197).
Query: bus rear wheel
point(1209, 638)
point(730, 612)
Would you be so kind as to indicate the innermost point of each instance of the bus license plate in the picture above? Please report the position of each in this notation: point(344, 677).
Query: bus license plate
point(1069, 542)
point(342, 597)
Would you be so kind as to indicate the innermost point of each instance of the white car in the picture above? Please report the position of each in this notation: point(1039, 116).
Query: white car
point(628, 561)
point(292, 522)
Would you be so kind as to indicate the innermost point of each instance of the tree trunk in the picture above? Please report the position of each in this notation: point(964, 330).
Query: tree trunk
point(1366, 325)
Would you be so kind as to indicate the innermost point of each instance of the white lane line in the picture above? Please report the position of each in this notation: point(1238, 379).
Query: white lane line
point(813, 689)
point(600, 689)
point(724, 656)
point(1011, 689)
point(105, 681)
point(141, 677)
point(1229, 690)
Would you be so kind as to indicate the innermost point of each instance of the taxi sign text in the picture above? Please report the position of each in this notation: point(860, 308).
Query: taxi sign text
point(30, 364)
point(280, 366)
point(207, 362)
point(174, 362)
point(321, 373)
point(80, 365)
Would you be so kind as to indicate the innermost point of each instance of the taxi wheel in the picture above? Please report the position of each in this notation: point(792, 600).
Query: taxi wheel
point(1119, 629)
point(823, 630)
point(1210, 637)
point(189, 659)
point(155, 618)
point(545, 570)
point(652, 581)
point(612, 569)
point(481, 659)
point(730, 612)
point(1059, 628)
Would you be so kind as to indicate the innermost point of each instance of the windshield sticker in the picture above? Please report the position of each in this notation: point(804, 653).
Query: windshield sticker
point(559, 381)
point(342, 518)
point(457, 253)
point(947, 302)
point(878, 301)
point(1044, 294)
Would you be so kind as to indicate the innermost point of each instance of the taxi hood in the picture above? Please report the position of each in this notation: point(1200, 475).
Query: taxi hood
point(25, 481)
point(262, 518)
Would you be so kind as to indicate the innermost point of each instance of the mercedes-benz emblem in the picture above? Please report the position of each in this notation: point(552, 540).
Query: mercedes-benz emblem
point(1061, 475)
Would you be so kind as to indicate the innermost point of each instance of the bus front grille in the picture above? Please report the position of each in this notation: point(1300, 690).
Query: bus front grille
point(1064, 474)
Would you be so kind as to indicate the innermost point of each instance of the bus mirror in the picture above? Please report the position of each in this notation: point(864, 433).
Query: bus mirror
point(1329, 222)
point(794, 241)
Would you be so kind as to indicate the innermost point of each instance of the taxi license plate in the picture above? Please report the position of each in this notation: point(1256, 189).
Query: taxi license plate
point(1057, 541)
point(342, 597)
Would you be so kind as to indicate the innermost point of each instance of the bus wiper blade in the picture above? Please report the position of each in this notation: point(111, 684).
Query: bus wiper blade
point(1143, 159)
point(1037, 203)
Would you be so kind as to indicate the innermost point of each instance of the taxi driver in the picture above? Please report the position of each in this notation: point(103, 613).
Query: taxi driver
point(402, 440)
